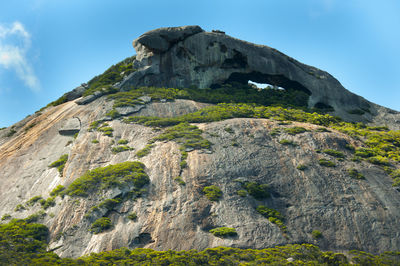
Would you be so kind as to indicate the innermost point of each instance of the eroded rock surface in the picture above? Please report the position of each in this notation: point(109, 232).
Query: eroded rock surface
point(350, 213)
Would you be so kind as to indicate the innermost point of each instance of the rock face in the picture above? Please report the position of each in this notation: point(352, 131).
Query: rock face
point(350, 213)
point(188, 56)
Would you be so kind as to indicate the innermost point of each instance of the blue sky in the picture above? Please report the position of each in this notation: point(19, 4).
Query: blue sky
point(48, 47)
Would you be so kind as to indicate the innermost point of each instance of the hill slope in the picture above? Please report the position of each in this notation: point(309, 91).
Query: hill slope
point(161, 168)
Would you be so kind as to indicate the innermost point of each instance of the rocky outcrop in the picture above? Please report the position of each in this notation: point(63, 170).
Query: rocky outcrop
point(350, 213)
point(70, 127)
point(188, 56)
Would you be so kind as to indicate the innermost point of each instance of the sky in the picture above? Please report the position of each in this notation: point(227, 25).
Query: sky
point(49, 47)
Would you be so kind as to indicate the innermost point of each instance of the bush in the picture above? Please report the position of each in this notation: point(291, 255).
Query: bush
point(95, 141)
point(121, 148)
point(57, 190)
point(100, 225)
point(145, 151)
point(180, 180)
point(118, 175)
point(287, 142)
point(109, 204)
point(6, 217)
point(327, 163)
point(272, 215)
point(334, 153)
point(379, 160)
point(33, 200)
point(19, 207)
point(60, 163)
point(301, 167)
point(316, 234)
point(355, 174)
point(229, 130)
point(295, 130)
point(122, 142)
point(49, 202)
point(132, 216)
point(223, 232)
point(213, 192)
point(242, 193)
point(258, 191)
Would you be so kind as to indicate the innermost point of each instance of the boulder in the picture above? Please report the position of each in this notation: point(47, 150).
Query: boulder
point(70, 127)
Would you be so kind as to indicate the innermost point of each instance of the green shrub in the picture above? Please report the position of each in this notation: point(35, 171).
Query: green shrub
point(121, 148)
point(379, 160)
point(106, 130)
point(229, 130)
point(49, 202)
point(322, 129)
point(301, 167)
point(11, 133)
point(100, 225)
point(365, 152)
point(327, 163)
point(258, 191)
point(223, 232)
point(334, 153)
point(295, 130)
point(109, 204)
point(19, 207)
point(316, 234)
point(287, 142)
point(57, 190)
point(132, 216)
point(113, 113)
point(35, 217)
point(6, 217)
point(275, 131)
point(183, 164)
point(180, 180)
point(95, 141)
point(212, 192)
point(242, 192)
point(272, 215)
point(33, 200)
point(118, 175)
point(355, 174)
point(145, 151)
point(122, 142)
point(60, 163)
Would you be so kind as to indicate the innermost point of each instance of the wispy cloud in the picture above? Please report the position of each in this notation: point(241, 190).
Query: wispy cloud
point(15, 42)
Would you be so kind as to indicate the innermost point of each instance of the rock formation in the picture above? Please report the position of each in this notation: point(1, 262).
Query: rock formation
point(173, 211)
point(189, 56)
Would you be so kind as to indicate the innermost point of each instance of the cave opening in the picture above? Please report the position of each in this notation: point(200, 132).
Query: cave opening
point(275, 81)
point(263, 89)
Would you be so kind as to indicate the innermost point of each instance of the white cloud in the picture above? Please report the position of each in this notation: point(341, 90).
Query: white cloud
point(15, 42)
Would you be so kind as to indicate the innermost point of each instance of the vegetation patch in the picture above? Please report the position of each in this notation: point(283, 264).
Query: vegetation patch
point(60, 163)
point(57, 190)
point(49, 202)
point(121, 175)
point(212, 192)
point(273, 216)
point(120, 148)
point(258, 191)
point(19, 207)
point(316, 234)
point(287, 142)
point(224, 232)
point(103, 127)
point(355, 174)
point(242, 193)
point(6, 217)
point(33, 200)
point(180, 181)
point(132, 216)
point(334, 153)
point(326, 163)
point(95, 141)
point(145, 151)
point(101, 225)
point(109, 204)
point(301, 167)
point(295, 130)
point(122, 142)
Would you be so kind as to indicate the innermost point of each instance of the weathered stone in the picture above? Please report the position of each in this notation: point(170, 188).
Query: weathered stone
point(128, 110)
point(186, 56)
point(70, 127)
point(90, 98)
